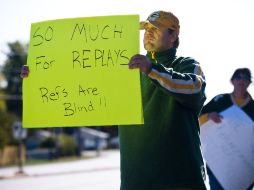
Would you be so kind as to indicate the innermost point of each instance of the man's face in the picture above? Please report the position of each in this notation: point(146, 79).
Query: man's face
point(157, 39)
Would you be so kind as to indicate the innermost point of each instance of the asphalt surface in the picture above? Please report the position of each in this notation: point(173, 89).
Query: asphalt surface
point(96, 173)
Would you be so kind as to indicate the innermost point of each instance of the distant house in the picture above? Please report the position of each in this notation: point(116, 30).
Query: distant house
point(93, 139)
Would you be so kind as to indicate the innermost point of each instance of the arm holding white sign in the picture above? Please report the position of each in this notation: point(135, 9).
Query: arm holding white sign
point(214, 116)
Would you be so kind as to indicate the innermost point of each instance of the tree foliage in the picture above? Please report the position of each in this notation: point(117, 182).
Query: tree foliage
point(16, 57)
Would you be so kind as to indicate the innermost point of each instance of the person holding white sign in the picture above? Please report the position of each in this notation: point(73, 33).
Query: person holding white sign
point(241, 79)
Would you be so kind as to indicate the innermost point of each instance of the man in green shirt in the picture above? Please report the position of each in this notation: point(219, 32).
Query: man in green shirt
point(164, 153)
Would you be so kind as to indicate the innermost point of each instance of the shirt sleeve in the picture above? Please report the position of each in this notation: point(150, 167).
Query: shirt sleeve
point(216, 104)
point(186, 83)
point(203, 119)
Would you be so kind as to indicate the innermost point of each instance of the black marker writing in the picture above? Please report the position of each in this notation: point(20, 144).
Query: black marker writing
point(88, 91)
point(91, 33)
point(40, 35)
point(72, 108)
point(53, 95)
point(99, 58)
point(43, 62)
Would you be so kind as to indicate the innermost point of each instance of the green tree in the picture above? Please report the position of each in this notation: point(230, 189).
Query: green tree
point(16, 57)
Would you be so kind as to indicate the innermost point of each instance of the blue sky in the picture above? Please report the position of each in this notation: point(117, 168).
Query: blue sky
point(217, 33)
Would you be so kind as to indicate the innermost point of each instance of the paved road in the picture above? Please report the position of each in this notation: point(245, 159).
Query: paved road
point(98, 173)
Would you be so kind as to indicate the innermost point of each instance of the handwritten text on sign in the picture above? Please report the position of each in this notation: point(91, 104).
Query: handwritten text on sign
point(79, 73)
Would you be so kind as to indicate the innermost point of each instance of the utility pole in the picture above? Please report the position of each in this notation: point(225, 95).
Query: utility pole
point(19, 134)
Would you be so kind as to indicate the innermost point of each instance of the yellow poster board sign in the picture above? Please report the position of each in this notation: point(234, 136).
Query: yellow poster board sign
point(78, 73)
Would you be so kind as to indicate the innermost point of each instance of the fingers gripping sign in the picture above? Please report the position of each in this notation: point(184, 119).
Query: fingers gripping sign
point(141, 62)
point(24, 71)
point(214, 116)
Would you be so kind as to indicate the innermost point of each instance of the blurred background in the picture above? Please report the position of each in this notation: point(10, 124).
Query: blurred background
point(218, 34)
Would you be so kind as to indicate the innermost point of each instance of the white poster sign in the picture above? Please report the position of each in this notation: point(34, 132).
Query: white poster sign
point(228, 148)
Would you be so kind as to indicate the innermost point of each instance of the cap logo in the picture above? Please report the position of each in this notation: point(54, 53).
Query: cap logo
point(154, 16)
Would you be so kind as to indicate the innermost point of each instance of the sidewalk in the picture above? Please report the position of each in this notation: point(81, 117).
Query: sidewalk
point(108, 160)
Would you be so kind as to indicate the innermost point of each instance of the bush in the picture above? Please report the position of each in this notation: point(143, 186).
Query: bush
point(67, 145)
point(48, 142)
point(6, 134)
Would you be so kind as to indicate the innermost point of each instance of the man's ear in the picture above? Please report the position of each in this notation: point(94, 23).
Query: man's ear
point(174, 36)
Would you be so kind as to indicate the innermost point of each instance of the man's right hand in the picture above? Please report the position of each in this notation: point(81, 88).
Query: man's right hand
point(24, 71)
point(141, 62)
